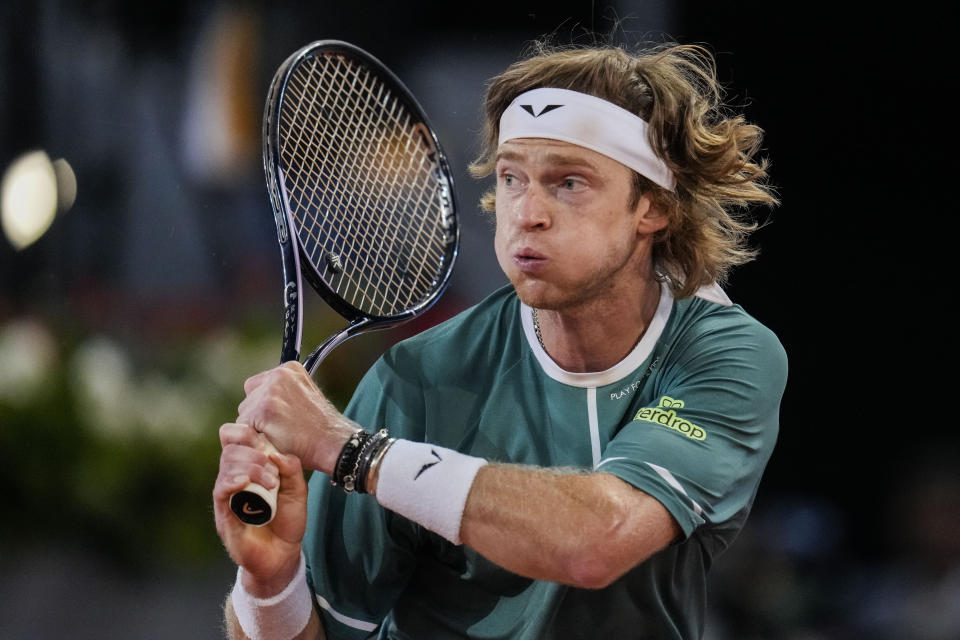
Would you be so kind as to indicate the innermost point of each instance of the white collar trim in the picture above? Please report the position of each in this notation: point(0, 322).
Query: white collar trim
point(618, 371)
point(712, 293)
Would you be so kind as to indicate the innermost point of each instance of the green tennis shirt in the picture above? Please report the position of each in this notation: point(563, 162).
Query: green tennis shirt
point(690, 417)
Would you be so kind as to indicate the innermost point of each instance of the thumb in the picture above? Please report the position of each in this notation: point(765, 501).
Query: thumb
point(291, 515)
point(290, 469)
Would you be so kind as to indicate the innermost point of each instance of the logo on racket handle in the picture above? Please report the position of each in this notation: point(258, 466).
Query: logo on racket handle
point(253, 508)
point(251, 511)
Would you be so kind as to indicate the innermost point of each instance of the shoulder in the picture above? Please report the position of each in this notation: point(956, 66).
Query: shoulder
point(702, 326)
point(472, 329)
point(419, 374)
point(453, 347)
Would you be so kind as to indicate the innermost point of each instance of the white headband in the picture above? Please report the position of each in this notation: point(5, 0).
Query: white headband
point(586, 121)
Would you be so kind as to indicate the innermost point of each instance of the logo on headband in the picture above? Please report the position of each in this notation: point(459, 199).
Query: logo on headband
point(529, 109)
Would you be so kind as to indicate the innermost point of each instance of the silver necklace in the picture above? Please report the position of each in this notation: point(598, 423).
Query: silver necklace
point(536, 329)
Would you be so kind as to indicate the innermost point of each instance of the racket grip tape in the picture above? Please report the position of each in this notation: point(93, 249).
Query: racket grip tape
point(255, 504)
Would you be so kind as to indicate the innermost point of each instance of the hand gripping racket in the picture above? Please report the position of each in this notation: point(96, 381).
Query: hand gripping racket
point(363, 201)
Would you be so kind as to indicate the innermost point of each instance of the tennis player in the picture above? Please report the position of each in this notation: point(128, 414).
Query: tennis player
point(567, 458)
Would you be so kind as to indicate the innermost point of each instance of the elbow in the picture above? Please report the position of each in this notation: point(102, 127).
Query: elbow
point(592, 573)
point(601, 558)
point(617, 531)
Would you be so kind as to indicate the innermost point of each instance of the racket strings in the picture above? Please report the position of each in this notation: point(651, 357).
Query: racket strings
point(361, 185)
point(366, 250)
point(361, 243)
point(393, 187)
point(310, 226)
point(387, 186)
point(318, 149)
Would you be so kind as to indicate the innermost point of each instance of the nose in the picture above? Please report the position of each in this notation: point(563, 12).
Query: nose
point(533, 209)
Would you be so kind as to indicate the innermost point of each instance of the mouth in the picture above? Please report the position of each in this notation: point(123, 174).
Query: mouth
point(527, 259)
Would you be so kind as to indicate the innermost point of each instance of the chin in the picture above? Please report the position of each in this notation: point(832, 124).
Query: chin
point(538, 295)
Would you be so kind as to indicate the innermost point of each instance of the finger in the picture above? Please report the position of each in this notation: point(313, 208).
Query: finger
point(223, 489)
point(252, 394)
point(254, 464)
point(253, 409)
point(264, 444)
point(255, 381)
point(292, 483)
point(294, 367)
point(228, 484)
point(288, 466)
point(302, 375)
point(243, 434)
point(238, 433)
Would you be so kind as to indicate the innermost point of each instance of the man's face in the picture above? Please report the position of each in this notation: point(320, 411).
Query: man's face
point(565, 235)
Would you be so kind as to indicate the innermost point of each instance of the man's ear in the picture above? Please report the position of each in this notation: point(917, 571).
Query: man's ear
point(650, 218)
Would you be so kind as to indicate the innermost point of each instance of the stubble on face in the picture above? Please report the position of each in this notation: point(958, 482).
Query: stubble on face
point(596, 280)
point(565, 249)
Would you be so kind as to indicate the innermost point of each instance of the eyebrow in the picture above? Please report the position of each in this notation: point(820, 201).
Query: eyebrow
point(553, 158)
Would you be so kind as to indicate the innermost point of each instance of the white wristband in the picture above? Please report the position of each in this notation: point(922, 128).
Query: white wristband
point(427, 484)
point(278, 617)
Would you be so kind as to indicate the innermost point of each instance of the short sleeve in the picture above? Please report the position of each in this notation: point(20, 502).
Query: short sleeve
point(699, 443)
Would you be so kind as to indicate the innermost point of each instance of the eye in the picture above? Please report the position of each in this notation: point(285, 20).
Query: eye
point(573, 183)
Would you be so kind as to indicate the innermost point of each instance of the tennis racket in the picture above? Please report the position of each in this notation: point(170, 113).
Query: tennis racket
point(363, 200)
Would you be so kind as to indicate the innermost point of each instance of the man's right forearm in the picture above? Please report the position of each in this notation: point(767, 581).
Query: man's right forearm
point(313, 630)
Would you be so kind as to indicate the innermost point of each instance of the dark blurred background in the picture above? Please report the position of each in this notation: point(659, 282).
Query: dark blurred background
point(127, 329)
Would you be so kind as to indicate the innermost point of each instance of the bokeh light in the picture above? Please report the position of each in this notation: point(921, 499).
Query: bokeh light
point(29, 198)
point(32, 192)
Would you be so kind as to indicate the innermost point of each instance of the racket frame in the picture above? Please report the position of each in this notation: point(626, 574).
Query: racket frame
point(254, 504)
point(295, 270)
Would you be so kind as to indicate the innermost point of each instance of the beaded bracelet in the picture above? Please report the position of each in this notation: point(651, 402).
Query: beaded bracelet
point(347, 460)
point(351, 481)
point(359, 456)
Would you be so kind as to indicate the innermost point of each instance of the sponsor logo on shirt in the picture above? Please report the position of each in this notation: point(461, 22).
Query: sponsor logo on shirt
point(665, 415)
point(630, 388)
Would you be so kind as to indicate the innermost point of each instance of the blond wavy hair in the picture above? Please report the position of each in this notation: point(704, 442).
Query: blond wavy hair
point(710, 150)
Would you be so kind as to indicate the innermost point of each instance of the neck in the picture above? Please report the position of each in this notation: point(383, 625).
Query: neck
point(596, 335)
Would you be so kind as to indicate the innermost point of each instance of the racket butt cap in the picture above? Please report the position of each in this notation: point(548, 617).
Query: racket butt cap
point(254, 504)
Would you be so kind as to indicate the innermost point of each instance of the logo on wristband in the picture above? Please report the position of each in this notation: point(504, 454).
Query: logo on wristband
point(429, 464)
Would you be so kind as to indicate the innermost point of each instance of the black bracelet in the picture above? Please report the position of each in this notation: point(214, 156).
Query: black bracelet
point(351, 481)
point(347, 460)
point(371, 447)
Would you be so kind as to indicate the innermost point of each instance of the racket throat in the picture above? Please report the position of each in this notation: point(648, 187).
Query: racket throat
point(320, 353)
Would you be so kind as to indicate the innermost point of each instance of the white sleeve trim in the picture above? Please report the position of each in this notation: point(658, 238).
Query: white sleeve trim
point(362, 625)
point(673, 482)
point(668, 477)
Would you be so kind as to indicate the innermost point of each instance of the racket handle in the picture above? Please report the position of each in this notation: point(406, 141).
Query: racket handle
point(255, 504)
